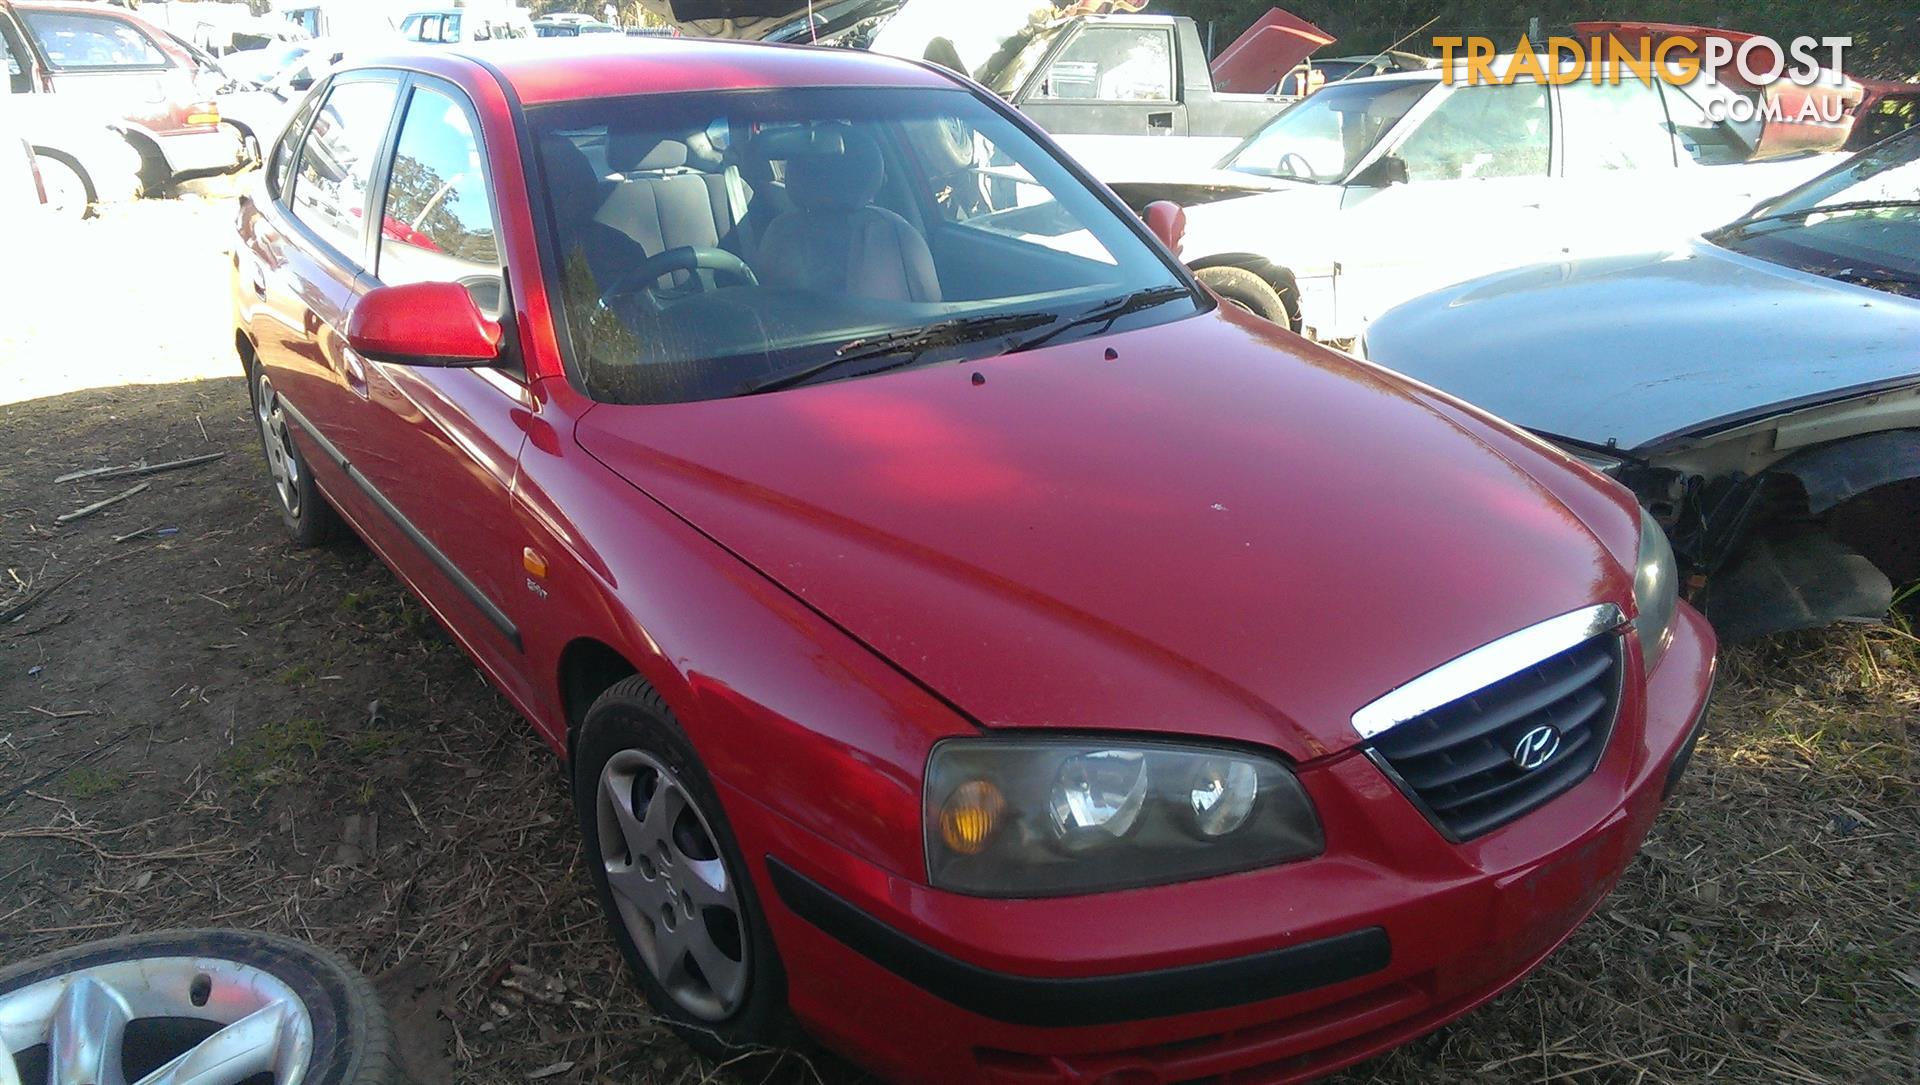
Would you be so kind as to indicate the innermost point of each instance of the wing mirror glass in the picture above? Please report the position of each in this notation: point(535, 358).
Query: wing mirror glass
point(1384, 171)
point(432, 324)
point(1168, 222)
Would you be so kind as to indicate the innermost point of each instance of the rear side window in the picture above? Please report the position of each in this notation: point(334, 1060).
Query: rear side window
point(336, 162)
point(1482, 131)
point(438, 223)
point(1619, 126)
point(280, 167)
point(92, 41)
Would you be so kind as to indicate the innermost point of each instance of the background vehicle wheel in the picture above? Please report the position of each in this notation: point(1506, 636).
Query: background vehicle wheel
point(213, 1007)
point(1238, 286)
point(309, 519)
point(671, 879)
point(69, 194)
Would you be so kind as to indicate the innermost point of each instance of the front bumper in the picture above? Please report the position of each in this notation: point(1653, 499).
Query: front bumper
point(1275, 975)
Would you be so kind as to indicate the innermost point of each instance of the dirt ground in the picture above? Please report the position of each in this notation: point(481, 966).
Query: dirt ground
point(202, 726)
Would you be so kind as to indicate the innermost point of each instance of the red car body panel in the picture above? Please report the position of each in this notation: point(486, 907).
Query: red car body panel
point(825, 582)
point(924, 486)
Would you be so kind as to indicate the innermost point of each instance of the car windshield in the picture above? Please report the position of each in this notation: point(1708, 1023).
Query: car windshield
point(723, 243)
point(1327, 133)
point(1859, 223)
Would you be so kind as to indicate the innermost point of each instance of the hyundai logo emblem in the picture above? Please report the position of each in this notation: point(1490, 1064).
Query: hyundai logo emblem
point(1536, 748)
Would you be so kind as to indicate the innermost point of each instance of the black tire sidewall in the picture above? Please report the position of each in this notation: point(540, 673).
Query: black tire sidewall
point(1243, 287)
point(352, 1038)
point(630, 716)
point(315, 523)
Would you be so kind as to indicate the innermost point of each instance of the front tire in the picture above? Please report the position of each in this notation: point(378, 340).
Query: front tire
point(1238, 286)
point(671, 879)
point(229, 1005)
point(309, 519)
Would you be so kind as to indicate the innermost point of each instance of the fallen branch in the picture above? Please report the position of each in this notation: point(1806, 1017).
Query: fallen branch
point(19, 609)
point(69, 517)
point(141, 468)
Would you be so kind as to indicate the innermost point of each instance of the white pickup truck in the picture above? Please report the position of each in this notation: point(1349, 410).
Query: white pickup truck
point(1117, 88)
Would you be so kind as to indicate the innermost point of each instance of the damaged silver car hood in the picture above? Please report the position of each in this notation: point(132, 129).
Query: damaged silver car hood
point(1642, 351)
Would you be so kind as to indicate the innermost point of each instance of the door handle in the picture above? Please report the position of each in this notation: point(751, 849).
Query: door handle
point(1160, 120)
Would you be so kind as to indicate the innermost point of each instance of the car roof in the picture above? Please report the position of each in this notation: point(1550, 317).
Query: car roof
point(544, 70)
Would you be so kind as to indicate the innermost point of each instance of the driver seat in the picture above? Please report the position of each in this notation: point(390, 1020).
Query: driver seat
point(834, 241)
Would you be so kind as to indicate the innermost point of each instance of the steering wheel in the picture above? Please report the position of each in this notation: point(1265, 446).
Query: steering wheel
point(1295, 165)
point(684, 258)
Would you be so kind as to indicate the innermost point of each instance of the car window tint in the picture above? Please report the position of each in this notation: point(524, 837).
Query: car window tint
point(1115, 64)
point(1479, 132)
point(92, 41)
point(280, 167)
point(438, 223)
point(336, 162)
point(1619, 126)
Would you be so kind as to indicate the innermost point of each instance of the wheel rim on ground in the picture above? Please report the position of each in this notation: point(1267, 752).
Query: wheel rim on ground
point(66, 192)
point(90, 1023)
point(674, 893)
point(282, 463)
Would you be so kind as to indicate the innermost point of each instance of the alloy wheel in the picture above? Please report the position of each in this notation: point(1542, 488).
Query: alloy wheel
point(676, 897)
point(275, 435)
point(97, 1025)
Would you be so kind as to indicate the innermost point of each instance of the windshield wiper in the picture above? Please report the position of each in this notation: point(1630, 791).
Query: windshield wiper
point(1107, 312)
point(1738, 228)
point(905, 347)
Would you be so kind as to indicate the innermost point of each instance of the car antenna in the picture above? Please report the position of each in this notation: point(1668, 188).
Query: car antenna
point(1384, 52)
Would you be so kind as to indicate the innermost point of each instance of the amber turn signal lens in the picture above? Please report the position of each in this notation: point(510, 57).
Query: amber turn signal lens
point(970, 816)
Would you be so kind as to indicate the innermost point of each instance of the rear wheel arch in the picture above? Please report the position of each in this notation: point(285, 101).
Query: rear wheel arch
point(156, 173)
point(1280, 278)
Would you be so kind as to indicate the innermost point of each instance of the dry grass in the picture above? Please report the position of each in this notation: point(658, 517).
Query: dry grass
point(198, 748)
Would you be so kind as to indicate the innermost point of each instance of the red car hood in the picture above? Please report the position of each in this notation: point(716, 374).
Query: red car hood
point(1225, 531)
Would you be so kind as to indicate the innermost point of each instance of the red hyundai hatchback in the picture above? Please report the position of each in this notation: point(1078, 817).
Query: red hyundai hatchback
point(966, 637)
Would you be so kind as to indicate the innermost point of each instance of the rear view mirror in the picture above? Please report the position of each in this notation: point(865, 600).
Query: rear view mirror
point(1168, 221)
point(434, 324)
point(1384, 171)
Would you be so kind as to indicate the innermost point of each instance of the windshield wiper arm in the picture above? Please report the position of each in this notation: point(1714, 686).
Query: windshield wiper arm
point(1109, 311)
point(908, 345)
point(1741, 226)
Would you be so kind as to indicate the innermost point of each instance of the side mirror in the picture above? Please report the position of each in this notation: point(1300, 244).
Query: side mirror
point(1168, 221)
point(1385, 170)
point(433, 324)
point(301, 82)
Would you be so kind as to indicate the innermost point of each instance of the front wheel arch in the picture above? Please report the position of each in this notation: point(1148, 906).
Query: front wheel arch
point(80, 171)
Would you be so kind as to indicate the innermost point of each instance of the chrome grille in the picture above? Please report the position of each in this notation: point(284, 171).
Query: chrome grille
point(1460, 762)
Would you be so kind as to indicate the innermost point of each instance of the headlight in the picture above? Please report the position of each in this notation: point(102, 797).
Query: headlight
point(1656, 590)
point(1035, 817)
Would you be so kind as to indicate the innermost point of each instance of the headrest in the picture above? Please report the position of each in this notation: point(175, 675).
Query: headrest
point(833, 170)
point(634, 152)
point(574, 188)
